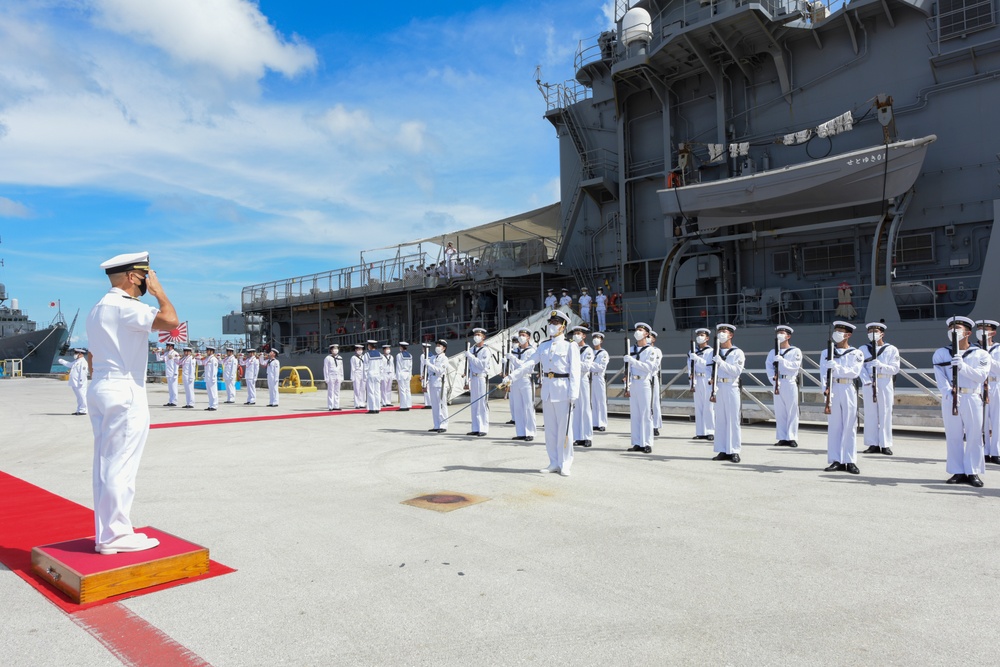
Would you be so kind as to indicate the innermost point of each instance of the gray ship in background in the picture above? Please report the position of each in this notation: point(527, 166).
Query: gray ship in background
point(721, 161)
point(35, 350)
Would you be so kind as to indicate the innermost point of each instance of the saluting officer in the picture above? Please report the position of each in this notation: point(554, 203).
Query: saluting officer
point(786, 364)
point(599, 384)
point(404, 371)
point(273, 369)
point(881, 367)
point(991, 422)
point(560, 373)
point(522, 389)
point(437, 385)
point(963, 431)
point(251, 370)
point(211, 365)
point(704, 408)
point(730, 362)
point(188, 365)
point(78, 371)
point(585, 301)
point(654, 406)
point(333, 375)
point(583, 418)
point(641, 365)
point(170, 359)
point(230, 368)
point(479, 369)
point(388, 374)
point(358, 377)
point(373, 377)
point(842, 424)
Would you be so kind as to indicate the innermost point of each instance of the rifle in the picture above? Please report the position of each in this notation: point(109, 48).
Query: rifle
point(628, 350)
point(954, 372)
point(715, 368)
point(465, 376)
point(694, 348)
point(875, 371)
point(777, 378)
point(423, 370)
point(829, 374)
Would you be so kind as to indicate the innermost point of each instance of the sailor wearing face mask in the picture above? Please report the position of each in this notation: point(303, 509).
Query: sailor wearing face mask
point(273, 369)
point(188, 365)
point(374, 369)
point(881, 367)
point(358, 377)
point(585, 301)
point(333, 375)
point(560, 373)
point(654, 405)
point(211, 374)
point(479, 370)
point(171, 361)
point(730, 362)
point(437, 376)
point(991, 423)
point(404, 371)
point(786, 363)
point(583, 419)
point(842, 424)
point(601, 302)
point(522, 390)
point(641, 365)
point(78, 371)
point(550, 299)
point(251, 369)
point(230, 368)
point(963, 431)
point(388, 374)
point(704, 409)
point(599, 384)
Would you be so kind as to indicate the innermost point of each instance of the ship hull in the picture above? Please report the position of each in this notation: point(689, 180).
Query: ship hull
point(38, 350)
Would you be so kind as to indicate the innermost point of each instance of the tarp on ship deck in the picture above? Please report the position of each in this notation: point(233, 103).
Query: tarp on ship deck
point(541, 223)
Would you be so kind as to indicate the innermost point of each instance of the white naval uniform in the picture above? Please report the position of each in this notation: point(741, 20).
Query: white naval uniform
point(704, 408)
point(550, 302)
point(388, 374)
point(423, 377)
point(878, 416)
point(583, 416)
point(273, 369)
point(599, 388)
point(566, 303)
point(560, 373)
point(654, 398)
point(374, 370)
point(522, 392)
point(188, 365)
point(211, 375)
point(170, 361)
point(602, 311)
point(585, 301)
point(230, 372)
point(479, 370)
point(118, 329)
point(641, 369)
point(842, 422)
point(78, 382)
point(786, 403)
point(358, 380)
point(964, 431)
point(333, 375)
point(437, 381)
point(251, 369)
point(404, 372)
point(991, 425)
point(728, 433)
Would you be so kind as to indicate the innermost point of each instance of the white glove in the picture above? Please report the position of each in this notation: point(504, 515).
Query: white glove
point(505, 382)
point(628, 358)
point(697, 358)
point(956, 360)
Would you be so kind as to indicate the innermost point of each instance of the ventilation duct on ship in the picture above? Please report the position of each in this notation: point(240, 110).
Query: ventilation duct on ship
point(637, 31)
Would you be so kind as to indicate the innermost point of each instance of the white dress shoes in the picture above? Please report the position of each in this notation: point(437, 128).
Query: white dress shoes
point(128, 544)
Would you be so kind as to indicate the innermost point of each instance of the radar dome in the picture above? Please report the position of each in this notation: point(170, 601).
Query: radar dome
point(636, 26)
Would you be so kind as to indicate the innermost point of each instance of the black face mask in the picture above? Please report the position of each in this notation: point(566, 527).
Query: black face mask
point(142, 287)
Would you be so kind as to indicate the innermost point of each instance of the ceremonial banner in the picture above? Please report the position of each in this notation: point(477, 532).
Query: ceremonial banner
point(178, 335)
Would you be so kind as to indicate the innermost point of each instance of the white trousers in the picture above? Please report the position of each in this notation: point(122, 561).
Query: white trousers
point(878, 416)
point(704, 409)
point(251, 389)
point(991, 424)
point(599, 401)
point(386, 398)
point(212, 387)
point(359, 393)
point(842, 425)
point(558, 442)
point(119, 415)
point(481, 407)
point(964, 433)
point(230, 380)
point(272, 392)
point(641, 417)
point(373, 394)
point(172, 388)
point(583, 417)
point(439, 407)
point(188, 390)
point(585, 315)
point(655, 406)
point(403, 388)
point(728, 431)
point(522, 407)
point(81, 397)
point(786, 411)
point(602, 314)
point(333, 395)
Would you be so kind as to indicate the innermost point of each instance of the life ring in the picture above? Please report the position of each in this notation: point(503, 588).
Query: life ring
point(373, 325)
point(615, 305)
point(673, 180)
point(239, 372)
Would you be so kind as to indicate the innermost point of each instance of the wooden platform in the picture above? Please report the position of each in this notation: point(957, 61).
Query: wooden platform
point(85, 576)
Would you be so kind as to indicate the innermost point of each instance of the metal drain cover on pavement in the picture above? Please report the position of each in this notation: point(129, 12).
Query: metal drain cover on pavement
point(445, 501)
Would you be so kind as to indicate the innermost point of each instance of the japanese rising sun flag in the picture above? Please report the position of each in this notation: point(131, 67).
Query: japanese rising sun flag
point(178, 335)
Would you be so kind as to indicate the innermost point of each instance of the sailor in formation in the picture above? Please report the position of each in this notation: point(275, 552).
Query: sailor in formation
point(877, 391)
point(388, 375)
point(599, 384)
point(550, 299)
point(522, 389)
point(373, 377)
point(504, 372)
point(404, 372)
point(654, 404)
point(991, 410)
point(251, 369)
point(273, 367)
point(188, 366)
point(559, 361)
point(171, 362)
point(210, 363)
point(333, 375)
point(842, 424)
point(640, 367)
point(230, 372)
point(585, 301)
point(423, 372)
point(962, 404)
point(730, 363)
point(78, 371)
point(601, 305)
point(478, 356)
point(358, 377)
point(437, 386)
point(700, 359)
point(783, 365)
point(565, 301)
point(583, 416)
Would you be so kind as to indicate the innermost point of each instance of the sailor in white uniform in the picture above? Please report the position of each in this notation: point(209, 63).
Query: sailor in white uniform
point(991, 423)
point(333, 375)
point(560, 372)
point(842, 424)
point(437, 385)
point(404, 372)
point(358, 378)
point(478, 356)
point(654, 399)
point(374, 368)
point(583, 418)
point(786, 363)
point(963, 431)
point(599, 384)
point(118, 329)
point(230, 373)
point(423, 372)
point(585, 301)
point(171, 361)
point(522, 389)
point(211, 374)
point(251, 370)
point(700, 364)
point(273, 369)
point(565, 301)
point(550, 299)
point(188, 366)
point(78, 371)
point(388, 375)
point(601, 302)
point(730, 361)
point(641, 365)
point(881, 367)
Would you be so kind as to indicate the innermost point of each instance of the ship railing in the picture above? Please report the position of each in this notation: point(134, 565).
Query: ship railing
point(11, 368)
point(603, 161)
point(563, 95)
point(312, 342)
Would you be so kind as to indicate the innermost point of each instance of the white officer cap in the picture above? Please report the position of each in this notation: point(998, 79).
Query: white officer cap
point(524, 330)
point(842, 323)
point(188, 349)
point(784, 327)
point(725, 325)
point(126, 262)
point(702, 330)
point(564, 290)
point(442, 342)
point(79, 350)
point(210, 347)
point(958, 319)
point(876, 325)
point(169, 343)
point(403, 343)
point(479, 330)
point(988, 323)
point(549, 290)
point(560, 315)
point(583, 289)
point(598, 334)
point(643, 325)
point(229, 349)
point(372, 342)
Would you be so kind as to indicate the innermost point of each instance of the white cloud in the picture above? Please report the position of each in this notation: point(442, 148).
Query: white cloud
point(12, 209)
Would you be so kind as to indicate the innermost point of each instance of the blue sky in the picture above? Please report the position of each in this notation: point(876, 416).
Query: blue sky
point(243, 142)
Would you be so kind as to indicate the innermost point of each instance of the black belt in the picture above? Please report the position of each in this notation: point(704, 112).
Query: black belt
point(555, 375)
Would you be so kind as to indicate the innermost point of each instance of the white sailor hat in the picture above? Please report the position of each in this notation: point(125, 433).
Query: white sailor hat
point(581, 327)
point(876, 325)
point(842, 323)
point(959, 319)
point(564, 290)
point(702, 330)
point(600, 289)
point(275, 350)
point(210, 347)
point(79, 350)
point(126, 262)
point(524, 330)
point(230, 349)
point(403, 343)
point(583, 289)
point(170, 343)
point(188, 349)
point(725, 325)
point(598, 334)
point(371, 342)
point(334, 345)
point(442, 342)
point(988, 323)
point(479, 330)
point(426, 344)
point(784, 327)
point(359, 346)
point(643, 325)
point(652, 333)
point(387, 346)
point(558, 314)
point(549, 290)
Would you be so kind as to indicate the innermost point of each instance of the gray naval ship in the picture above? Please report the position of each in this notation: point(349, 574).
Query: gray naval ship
point(721, 161)
point(33, 350)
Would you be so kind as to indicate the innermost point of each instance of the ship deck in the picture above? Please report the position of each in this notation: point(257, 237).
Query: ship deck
point(667, 558)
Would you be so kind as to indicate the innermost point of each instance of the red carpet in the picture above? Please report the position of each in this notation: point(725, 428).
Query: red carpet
point(31, 516)
point(265, 418)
